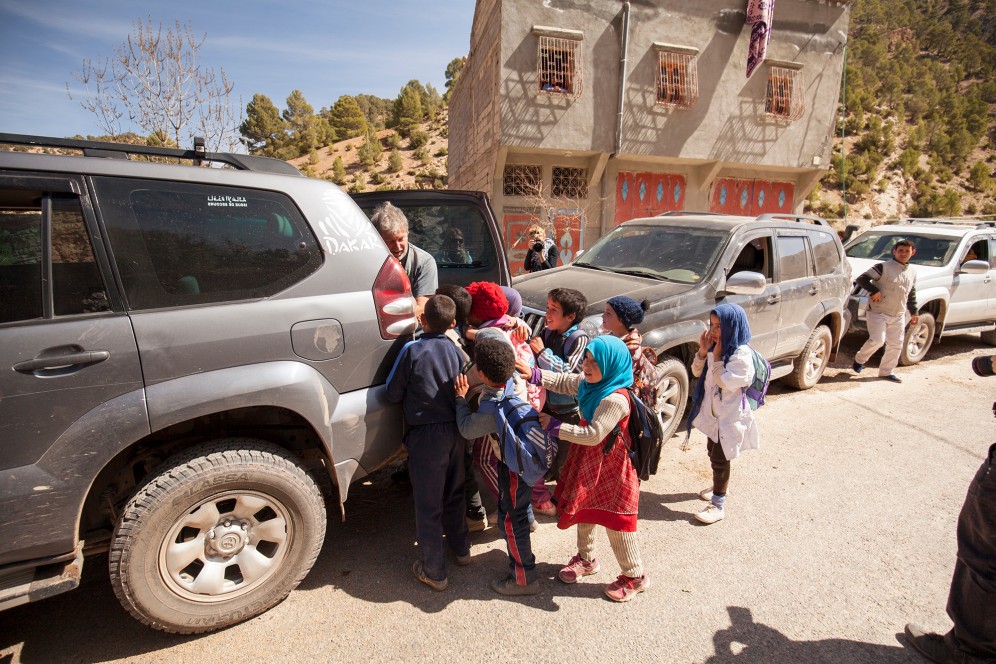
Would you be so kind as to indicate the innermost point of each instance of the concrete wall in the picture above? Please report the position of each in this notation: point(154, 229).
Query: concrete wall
point(725, 140)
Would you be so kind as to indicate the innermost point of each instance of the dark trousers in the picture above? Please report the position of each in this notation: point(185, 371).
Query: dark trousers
point(720, 468)
point(972, 599)
point(435, 466)
point(513, 519)
point(567, 417)
point(471, 489)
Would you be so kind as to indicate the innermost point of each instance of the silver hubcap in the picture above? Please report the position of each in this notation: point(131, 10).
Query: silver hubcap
point(918, 340)
point(225, 546)
point(816, 360)
point(668, 397)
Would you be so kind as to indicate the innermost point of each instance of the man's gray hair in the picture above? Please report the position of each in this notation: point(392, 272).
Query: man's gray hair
point(390, 219)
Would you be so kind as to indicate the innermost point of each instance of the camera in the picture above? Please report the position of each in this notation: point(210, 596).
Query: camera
point(983, 366)
point(538, 246)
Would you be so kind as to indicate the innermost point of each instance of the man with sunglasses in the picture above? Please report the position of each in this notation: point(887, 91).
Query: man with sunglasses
point(455, 249)
point(542, 253)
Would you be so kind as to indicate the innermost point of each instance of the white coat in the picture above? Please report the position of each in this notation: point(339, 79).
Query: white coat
point(725, 414)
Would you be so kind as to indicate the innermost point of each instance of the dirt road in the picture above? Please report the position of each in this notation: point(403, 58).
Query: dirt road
point(840, 529)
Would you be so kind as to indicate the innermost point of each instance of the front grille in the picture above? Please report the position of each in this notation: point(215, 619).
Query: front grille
point(534, 318)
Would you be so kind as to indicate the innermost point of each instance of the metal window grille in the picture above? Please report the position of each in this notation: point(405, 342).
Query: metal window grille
point(569, 182)
point(559, 70)
point(677, 80)
point(521, 180)
point(784, 98)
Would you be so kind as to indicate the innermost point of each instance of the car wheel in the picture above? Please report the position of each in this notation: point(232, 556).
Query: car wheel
point(811, 364)
point(672, 392)
point(989, 337)
point(918, 340)
point(221, 533)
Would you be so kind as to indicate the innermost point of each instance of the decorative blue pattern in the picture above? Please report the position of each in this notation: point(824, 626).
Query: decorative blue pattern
point(643, 190)
point(722, 195)
point(760, 198)
point(781, 198)
point(625, 189)
point(744, 198)
point(660, 191)
point(677, 192)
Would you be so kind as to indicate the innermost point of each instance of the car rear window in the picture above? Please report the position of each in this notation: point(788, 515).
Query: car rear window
point(180, 244)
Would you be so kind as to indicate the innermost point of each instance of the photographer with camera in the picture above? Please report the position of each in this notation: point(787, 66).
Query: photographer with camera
point(972, 597)
point(542, 253)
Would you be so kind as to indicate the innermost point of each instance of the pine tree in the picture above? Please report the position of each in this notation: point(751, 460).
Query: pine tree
point(371, 151)
point(301, 121)
point(453, 71)
point(346, 118)
point(338, 171)
point(394, 162)
point(408, 110)
point(263, 131)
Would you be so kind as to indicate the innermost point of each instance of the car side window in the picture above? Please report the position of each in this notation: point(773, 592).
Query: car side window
point(27, 218)
point(977, 251)
point(825, 252)
point(180, 244)
point(793, 259)
point(755, 256)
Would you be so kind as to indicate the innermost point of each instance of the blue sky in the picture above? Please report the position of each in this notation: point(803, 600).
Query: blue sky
point(323, 48)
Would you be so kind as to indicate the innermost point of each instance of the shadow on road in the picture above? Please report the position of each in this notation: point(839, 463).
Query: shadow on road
point(746, 641)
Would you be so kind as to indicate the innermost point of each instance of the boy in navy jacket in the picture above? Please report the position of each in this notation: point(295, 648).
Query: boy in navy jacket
point(422, 381)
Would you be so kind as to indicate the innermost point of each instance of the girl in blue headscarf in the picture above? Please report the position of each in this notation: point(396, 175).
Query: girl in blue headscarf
point(719, 407)
point(598, 485)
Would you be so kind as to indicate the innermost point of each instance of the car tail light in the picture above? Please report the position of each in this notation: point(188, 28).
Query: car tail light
point(392, 295)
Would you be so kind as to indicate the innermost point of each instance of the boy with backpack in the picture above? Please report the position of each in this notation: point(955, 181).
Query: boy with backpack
point(495, 360)
point(422, 381)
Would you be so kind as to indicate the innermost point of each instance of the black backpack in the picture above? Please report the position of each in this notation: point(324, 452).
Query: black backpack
point(646, 431)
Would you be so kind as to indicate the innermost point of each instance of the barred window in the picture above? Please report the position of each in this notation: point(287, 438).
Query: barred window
point(570, 182)
point(784, 97)
point(677, 76)
point(521, 180)
point(559, 66)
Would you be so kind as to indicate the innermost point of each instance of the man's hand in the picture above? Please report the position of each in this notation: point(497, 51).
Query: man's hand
point(461, 385)
point(536, 343)
point(875, 297)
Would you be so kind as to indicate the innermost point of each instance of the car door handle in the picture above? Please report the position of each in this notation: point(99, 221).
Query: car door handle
point(774, 299)
point(82, 358)
point(814, 290)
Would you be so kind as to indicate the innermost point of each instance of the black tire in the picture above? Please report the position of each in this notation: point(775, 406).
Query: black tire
point(672, 393)
point(813, 360)
point(989, 337)
point(917, 340)
point(220, 533)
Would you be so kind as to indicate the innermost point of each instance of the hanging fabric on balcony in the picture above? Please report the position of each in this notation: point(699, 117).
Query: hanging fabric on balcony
point(760, 14)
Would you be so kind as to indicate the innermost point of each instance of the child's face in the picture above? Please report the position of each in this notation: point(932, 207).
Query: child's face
point(903, 253)
point(715, 333)
point(589, 367)
point(611, 322)
point(555, 319)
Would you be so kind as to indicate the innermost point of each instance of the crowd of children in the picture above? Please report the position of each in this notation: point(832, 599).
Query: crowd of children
point(474, 353)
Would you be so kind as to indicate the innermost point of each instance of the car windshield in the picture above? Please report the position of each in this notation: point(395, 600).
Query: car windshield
point(672, 253)
point(931, 251)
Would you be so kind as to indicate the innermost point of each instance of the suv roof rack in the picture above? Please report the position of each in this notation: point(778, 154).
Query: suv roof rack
point(798, 218)
point(977, 223)
point(683, 213)
point(122, 151)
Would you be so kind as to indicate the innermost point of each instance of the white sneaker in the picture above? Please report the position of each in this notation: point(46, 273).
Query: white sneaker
point(705, 494)
point(711, 514)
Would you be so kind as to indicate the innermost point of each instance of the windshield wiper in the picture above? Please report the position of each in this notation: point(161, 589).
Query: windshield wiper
point(593, 267)
point(643, 273)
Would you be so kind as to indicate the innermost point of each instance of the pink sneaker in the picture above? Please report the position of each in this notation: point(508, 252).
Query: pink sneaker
point(577, 568)
point(625, 588)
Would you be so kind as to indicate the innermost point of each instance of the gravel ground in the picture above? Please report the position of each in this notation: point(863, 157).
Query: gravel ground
point(840, 529)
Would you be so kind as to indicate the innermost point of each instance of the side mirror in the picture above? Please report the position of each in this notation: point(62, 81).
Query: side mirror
point(746, 283)
point(577, 255)
point(973, 267)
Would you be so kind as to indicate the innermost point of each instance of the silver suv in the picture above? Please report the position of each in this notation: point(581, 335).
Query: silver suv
point(955, 263)
point(187, 352)
point(787, 271)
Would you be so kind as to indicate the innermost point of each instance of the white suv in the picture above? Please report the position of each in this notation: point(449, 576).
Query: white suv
point(955, 264)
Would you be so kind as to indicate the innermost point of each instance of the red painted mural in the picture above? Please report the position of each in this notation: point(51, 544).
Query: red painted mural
point(648, 194)
point(568, 231)
point(751, 197)
point(517, 237)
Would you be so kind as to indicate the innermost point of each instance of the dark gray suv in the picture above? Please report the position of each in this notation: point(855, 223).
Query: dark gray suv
point(788, 273)
point(186, 352)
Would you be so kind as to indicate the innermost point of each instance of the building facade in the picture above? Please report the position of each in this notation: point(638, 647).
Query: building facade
point(582, 115)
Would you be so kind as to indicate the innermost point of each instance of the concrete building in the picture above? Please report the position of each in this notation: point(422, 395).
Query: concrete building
point(582, 115)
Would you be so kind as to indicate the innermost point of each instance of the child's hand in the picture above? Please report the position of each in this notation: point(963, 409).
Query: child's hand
point(717, 352)
point(470, 333)
point(704, 340)
point(521, 331)
point(461, 385)
point(544, 419)
point(536, 343)
point(524, 369)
